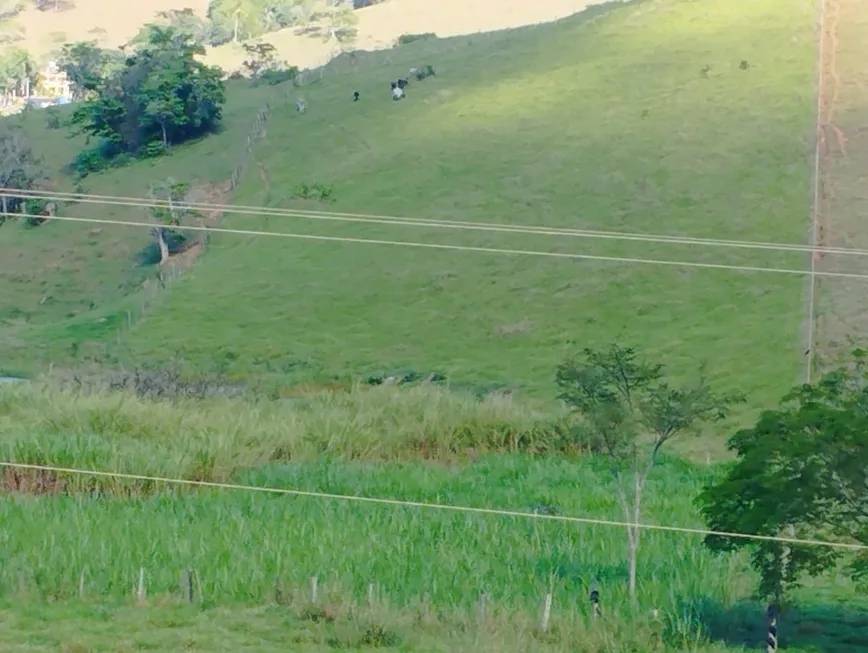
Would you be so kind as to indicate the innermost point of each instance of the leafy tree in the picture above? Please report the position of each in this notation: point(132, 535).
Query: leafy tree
point(18, 71)
point(19, 166)
point(261, 57)
point(87, 65)
point(162, 95)
point(239, 20)
point(630, 411)
point(801, 470)
point(183, 21)
point(239, 17)
point(171, 208)
point(337, 22)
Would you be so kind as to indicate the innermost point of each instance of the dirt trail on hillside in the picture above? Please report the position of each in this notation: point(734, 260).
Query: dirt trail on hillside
point(841, 305)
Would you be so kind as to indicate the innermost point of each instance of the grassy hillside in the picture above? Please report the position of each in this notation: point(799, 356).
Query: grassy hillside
point(602, 121)
point(608, 125)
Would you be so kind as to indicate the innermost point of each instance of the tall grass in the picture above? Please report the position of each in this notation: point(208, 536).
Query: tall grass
point(241, 543)
point(212, 439)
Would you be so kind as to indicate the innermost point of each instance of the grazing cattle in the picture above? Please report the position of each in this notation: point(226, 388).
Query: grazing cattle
point(422, 73)
point(397, 93)
point(355, 96)
point(300, 106)
point(402, 83)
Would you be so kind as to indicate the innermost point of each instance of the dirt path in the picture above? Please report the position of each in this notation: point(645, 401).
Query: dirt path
point(841, 305)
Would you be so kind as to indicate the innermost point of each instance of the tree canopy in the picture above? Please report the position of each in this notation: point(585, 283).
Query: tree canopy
point(86, 65)
point(801, 469)
point(160, 96)
point(239, 20)
point(19, 165)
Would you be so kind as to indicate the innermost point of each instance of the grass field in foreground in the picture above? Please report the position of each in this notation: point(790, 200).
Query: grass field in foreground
point(603, 124)
point(368, 443)
point(241, 545)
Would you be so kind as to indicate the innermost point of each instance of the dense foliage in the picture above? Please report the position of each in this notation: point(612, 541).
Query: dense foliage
point(20, 167)
point(161, 95)
point(802, 471)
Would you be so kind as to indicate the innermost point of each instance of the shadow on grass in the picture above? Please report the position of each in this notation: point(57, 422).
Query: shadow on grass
point(814, 628)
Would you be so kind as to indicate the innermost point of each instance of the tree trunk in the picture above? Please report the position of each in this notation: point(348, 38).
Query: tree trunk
point(630, 509)
point(165, 136)
point(164, 248)
point(633, 553)
point(235, 31)
point(634, 544)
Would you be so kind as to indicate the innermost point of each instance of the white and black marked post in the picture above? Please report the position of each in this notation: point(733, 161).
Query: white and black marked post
point(772, 637)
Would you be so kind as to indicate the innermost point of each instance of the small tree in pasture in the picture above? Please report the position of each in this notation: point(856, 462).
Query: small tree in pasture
point(170, 209)
point(801, 469)
point(19, 166)
point(631, 412)
point(260, 58)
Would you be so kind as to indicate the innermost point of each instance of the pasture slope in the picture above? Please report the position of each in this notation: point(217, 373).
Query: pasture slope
point(606, 123)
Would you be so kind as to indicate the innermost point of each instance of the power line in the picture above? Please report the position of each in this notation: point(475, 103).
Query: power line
point(431, 506)
point(119, 200)
point(459, 248)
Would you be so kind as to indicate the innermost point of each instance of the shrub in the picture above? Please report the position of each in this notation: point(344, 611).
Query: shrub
point(52, 120)
point(153, 149)
point(35, 206)
point(150, 255)
point(315, 191)
point(277, 76)
point(95, 159)
point(404, 39)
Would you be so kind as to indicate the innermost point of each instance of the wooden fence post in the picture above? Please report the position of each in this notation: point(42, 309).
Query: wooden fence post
point(140, 591)
point(547, 613)
point(187, 584)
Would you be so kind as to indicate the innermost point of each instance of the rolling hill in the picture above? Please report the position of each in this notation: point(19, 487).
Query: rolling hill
point(675, 117)
point(601, 121)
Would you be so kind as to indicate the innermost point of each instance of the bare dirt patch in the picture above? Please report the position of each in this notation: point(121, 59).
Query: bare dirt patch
point(219, 195)
point(842, 203)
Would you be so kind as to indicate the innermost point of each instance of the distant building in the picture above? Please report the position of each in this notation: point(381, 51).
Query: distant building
point(55, 83)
